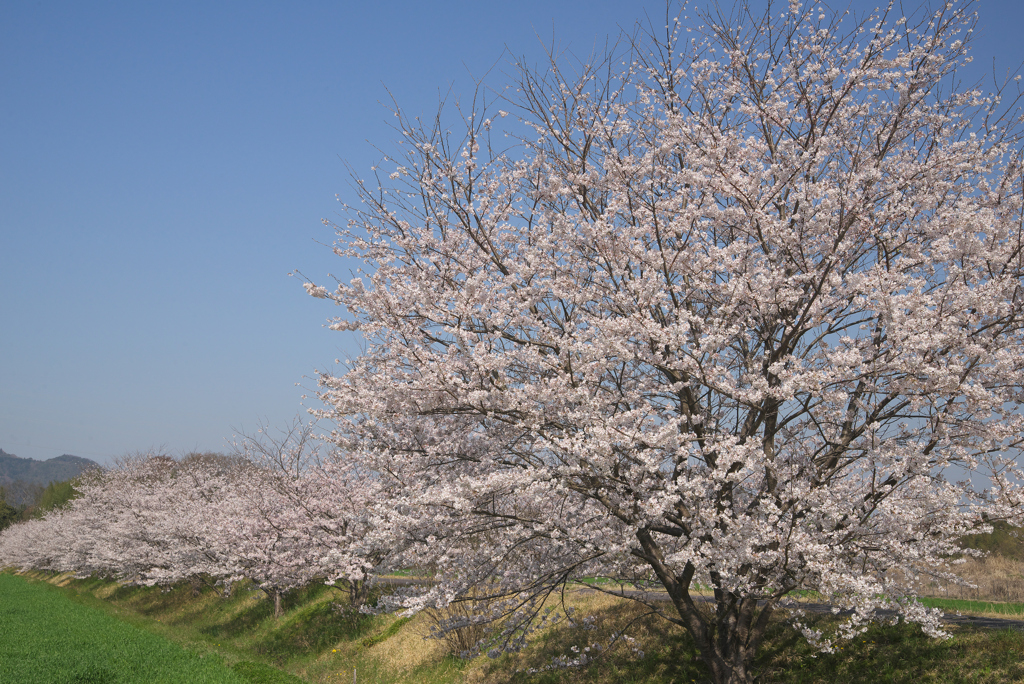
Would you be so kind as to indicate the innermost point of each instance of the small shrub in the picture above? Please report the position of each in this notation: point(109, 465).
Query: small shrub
point(463, 626)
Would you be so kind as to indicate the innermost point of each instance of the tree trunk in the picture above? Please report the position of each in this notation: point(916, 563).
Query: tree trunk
point(728, 668)
point(358, 592)
point(726, 657)
point(277, 601)
point(728, 640)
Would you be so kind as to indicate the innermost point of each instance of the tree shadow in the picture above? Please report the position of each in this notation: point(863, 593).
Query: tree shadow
point(311, 630)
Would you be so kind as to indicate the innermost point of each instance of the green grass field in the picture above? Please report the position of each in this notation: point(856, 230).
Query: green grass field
point(47, 638)
point(1010, 611)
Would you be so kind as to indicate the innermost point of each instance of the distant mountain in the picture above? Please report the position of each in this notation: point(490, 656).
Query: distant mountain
point(31, 471)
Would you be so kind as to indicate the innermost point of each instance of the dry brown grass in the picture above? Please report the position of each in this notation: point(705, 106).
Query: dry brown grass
point(997, 578)
point(616, 659)
point(408, 649)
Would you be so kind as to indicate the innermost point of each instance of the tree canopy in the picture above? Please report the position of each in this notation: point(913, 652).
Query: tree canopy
point(736, 306)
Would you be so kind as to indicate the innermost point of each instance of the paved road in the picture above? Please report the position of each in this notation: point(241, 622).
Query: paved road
point(952, 618)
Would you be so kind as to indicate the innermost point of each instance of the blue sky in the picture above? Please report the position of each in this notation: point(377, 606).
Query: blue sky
point(165, 166)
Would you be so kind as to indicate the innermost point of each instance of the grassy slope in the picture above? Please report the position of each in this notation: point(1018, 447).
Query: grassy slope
point(899, 653)
point(319, 643)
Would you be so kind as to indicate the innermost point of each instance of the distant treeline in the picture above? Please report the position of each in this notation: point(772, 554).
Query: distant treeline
point(25, 500)
point(1004, 540)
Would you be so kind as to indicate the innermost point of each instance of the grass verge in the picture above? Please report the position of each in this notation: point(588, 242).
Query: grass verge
point(319, 639)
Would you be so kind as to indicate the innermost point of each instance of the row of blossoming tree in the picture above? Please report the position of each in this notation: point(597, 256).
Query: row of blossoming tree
point(274, 514)
point(738, 306)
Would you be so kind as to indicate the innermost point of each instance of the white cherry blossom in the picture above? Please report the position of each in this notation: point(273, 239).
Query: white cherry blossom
point(744, 312)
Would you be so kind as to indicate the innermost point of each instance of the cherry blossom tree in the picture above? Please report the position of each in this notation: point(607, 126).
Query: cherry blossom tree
point(739, 308)
point(324, 503)
point(207, 517)
point(30, 544)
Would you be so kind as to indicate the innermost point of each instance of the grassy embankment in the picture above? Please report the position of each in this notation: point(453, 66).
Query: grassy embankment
point(111, 633)
point(319, 642)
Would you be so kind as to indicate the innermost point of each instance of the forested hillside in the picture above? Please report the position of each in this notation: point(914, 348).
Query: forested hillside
point(42, 472)
point(24, 478)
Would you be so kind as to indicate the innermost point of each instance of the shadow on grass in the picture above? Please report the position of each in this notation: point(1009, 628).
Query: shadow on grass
point(313, 625)
point(257, 673)
point(312, 622)
point(662, 653)
point(311, 630)
point(233, 621)
point(899, 653)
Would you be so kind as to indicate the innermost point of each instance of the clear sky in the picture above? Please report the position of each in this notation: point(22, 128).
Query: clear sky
point(165, 166)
